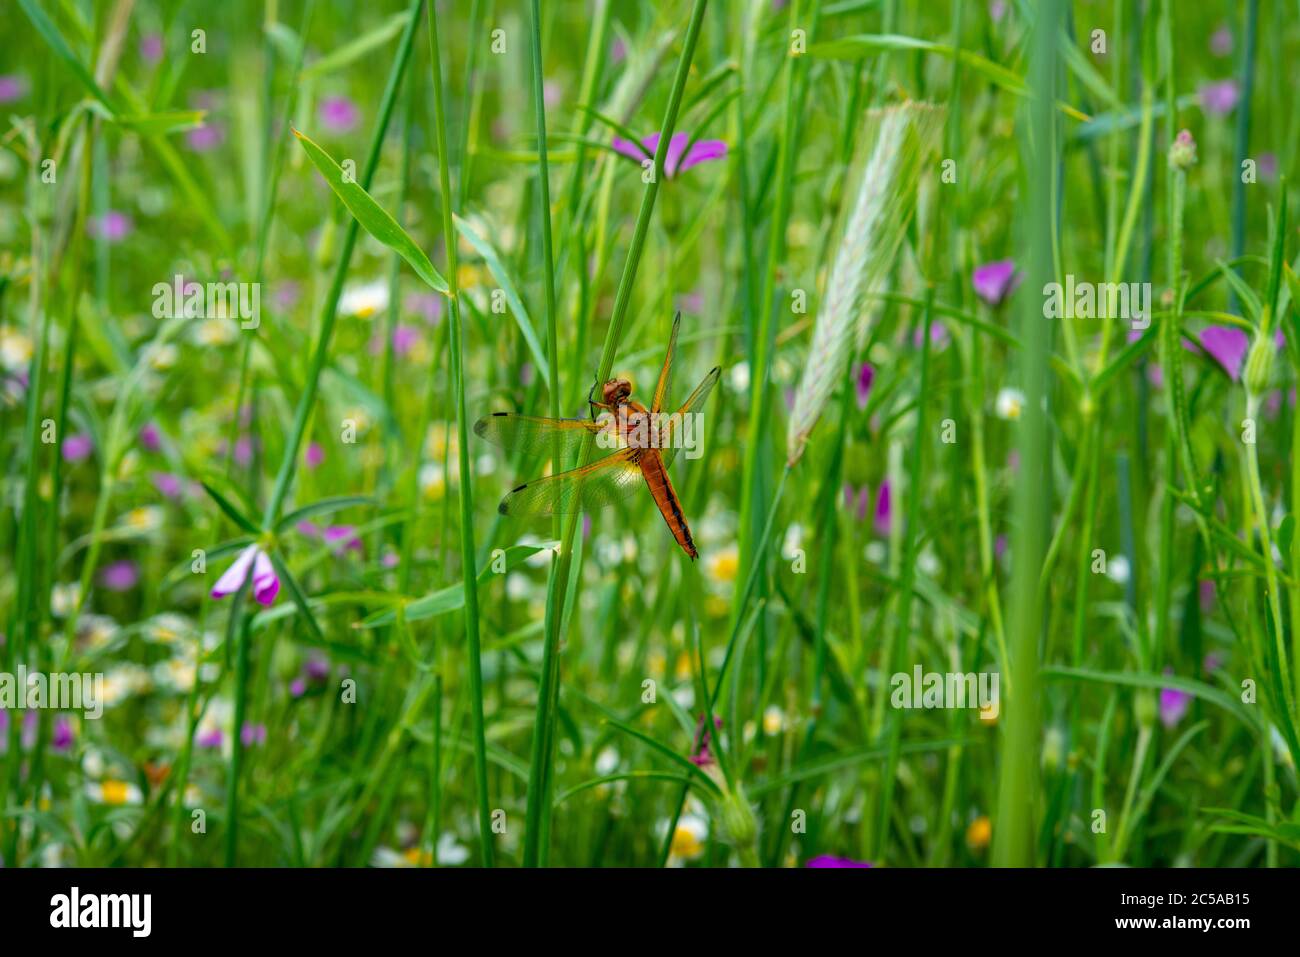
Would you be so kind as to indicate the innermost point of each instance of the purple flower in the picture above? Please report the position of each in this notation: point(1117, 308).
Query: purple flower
point(1221, 41)
point(938, 335)
point(243, 450)
point(1213, 661)
point(1205, 591)
point(77, 447)
point(113, 226)
point(167, 484)
point(12, 87)
point(151, 437)
point(151, 48)
point(266, 584)
point(63, 736)
point(314, 455)
point(338, 114)
point(995, 281)
point(404, 339)
point(997, 10)
point(830, 860)
point(251, 734)
point(211, 738)
point(700, 754)
point(343, 538)
point(206, 137)
point(298, 687)
point(316, 670)
point(1219, 99)
point(857, 502)
point(701, 151)
point(1173, 704)
point(120, 576)
point(862, 383)
point(883, 510)
point(1227, 345)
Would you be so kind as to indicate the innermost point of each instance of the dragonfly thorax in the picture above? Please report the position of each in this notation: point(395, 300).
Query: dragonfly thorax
point(616, 391)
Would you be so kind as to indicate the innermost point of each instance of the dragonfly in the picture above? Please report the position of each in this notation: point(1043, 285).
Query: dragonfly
point(647, 442)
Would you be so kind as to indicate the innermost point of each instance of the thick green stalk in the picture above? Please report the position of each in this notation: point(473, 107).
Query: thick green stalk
point(465, 484)
point(548, 690)
point(1014, 828)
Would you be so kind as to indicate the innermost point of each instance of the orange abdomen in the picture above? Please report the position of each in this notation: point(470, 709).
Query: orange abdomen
point(656, 477)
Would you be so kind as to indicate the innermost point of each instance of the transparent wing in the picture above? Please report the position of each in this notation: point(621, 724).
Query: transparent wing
point(585, 489)
point(534, 435)
point(670, 433)
point(666, 373)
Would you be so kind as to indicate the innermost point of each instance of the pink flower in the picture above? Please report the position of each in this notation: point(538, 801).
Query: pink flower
point(265, 583)
point(858, 501)
point(1221, 41)
point(1227, 345)
point(211, 738)
point(167, 484)
point(63, 736)
point(251, 734)
point(862, 384)
point(12, 87)
point(1173, 705)
point(314, 455)
point(338, 114)
point(1219, 99)
point(343, 538)
point(151, 437)
point(114, 226)
point(700, 754)
point(883, 510)
point(701, 151)
point(425, 305)
point(120, 576)
point(995, 281)
point(151, 48)
point(77, 447)
point(830, 860)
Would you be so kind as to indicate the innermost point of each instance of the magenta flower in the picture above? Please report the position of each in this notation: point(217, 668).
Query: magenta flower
point(700, 152)
point(862, 384)
point(997, 10)
point(338, 114)
point(314, 455)
point(12, 87)
point(265, 583)
point(995, 281)
point(343, 538)
point(120, 576)
point(206, 137)
point(830, 860)
point(252, 734)
point(114, 226)
point(298, 687)
point(151, 48)
point(1227, 345)
point(1213, 661)
point(63, 736)
point(77, 447)
point(404, 339)
point(1173, 705)
point(938, 335)
point(316, 670)
point(211, 738)
point(1219, 99)
point(700, 755)
point(857, 501)
point(1221, 41)
point(883, 510)
point(150, 437)
point(243, 450)
point(167, 484)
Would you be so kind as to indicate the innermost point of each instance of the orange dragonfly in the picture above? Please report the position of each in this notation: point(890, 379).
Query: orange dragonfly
point(647, 441)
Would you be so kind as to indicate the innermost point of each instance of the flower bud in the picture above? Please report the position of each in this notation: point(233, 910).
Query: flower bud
point(1182, 152)
point(1144, 708)
point(1259, 363)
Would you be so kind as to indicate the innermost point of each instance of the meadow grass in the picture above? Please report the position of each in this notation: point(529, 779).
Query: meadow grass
point(276, 536)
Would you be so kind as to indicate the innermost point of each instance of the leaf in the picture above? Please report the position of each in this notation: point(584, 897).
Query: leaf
point(232, 513)
point(295, 593)
point(50, 33)
point(356, 49)
point(372, 217)
point(498, 271)
point(621, 776)
point(1198, 689)
point(323, 507)
point(668, 753)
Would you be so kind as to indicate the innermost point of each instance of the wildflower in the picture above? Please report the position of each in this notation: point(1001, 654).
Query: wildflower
point(150, 437)
point(424, 305)
point(688, 839)
point(63, 736)
point(862, 384)
point(77, 447)
point(113, 791)
point(1182, 153)
point(1173, 705)
point(830, 860)
point(112, 227)
point(120, 576)
point(364, 301)
point(701, 151)
point(1009, 404)
point(343, 538)
point(773, 720)
point(265, 583)
point(314, 455)
point(1221, 41)
point(252, 734)
point(338, 114)
point(700, 755)
point(12, 87)
point(723, 565)
point(210, 737)
point(1219, 99)
point(978, 834)
point(884, 510)
point(167, 484)
point(1227, 346)
point(450, 851)
point(995, 281)
point(15, 349)
point(862, 497)
point(151, 48)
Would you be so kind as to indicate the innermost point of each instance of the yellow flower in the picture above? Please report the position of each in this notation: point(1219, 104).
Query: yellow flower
point(773, 720)
point(417, 857)
point(723, 565)
point(978, 834)
point(113, 791)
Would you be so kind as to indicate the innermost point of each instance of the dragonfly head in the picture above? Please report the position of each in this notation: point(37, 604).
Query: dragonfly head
point(616, 391)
